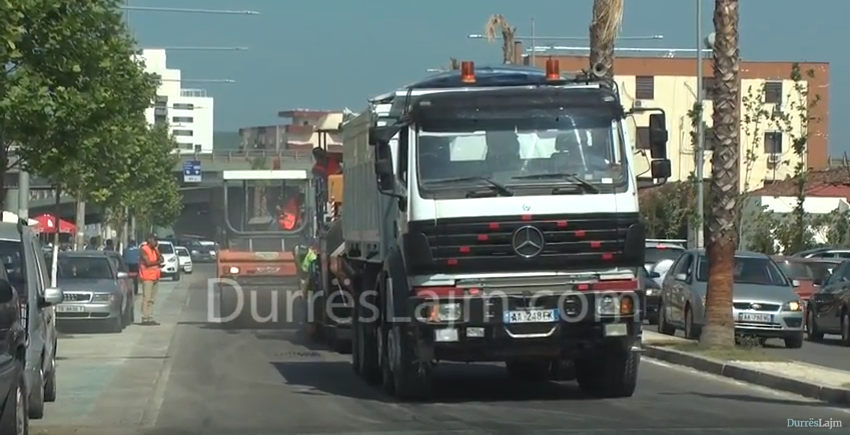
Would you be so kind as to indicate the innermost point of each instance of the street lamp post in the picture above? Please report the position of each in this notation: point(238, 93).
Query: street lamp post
point(700, 145)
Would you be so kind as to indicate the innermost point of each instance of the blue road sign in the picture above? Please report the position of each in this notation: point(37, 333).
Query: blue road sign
point(192, 171)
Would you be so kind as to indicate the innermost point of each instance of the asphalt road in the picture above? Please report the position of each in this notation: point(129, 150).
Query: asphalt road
point(216, 381)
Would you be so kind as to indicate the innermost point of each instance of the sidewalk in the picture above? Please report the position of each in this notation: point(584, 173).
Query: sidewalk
point(112, 379)
point(809, 380)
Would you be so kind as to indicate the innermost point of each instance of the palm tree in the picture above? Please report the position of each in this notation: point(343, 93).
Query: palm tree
point(454, 64)
point(498, 23)
point(719, 330)
point(604, 29)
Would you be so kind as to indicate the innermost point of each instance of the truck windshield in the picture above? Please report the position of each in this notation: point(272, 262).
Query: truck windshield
point(517, 150)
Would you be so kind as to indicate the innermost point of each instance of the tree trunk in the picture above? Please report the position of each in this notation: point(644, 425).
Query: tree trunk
point(601, 45)
point(719, 328)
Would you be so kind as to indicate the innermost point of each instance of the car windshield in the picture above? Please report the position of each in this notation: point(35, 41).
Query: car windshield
point(181, 251)
point(814, 271)
point(748, 270)
point(10, 252)
point(71, 267)
point(514, 149)
point(166, 248)
point(655, 254)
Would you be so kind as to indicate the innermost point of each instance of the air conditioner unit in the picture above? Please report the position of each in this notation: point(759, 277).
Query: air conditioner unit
point(638, 104)
point(779, 108)
point(773, 159)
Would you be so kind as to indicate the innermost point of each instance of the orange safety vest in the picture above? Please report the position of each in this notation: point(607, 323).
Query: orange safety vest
point(148, 273)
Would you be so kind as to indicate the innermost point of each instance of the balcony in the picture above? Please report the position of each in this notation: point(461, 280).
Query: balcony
point(196, 93)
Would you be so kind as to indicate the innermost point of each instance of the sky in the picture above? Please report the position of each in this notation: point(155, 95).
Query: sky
point(331, 54)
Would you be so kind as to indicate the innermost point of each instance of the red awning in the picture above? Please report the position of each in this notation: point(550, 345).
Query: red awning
point(48, 224)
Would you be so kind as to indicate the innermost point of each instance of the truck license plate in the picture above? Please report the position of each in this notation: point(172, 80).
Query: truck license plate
point(755, 317)
point(531, 316)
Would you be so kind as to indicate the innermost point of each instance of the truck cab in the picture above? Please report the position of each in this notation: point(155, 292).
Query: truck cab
point(493, 216)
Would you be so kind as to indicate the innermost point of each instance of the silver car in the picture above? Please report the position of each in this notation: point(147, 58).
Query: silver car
point(763, 299)
point(95, 290)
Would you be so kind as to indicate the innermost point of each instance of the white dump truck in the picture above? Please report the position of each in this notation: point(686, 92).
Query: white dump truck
point(492, 215)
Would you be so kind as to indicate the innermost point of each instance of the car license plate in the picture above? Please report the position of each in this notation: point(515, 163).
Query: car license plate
point(755, 317)
point(531, 316)
point(70, 308)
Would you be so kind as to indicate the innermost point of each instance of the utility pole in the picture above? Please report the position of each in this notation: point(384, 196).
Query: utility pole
point(80, 221)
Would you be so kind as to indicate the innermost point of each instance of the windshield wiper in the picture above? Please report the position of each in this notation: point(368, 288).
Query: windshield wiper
point(500, 189)
point(564, 176)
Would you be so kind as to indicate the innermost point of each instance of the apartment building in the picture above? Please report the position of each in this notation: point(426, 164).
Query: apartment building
point(308, 129)
point(766, 144)
point(188, 112)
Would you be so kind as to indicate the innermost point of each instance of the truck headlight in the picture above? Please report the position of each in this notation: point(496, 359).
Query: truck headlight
point(234, 270)
point(650, 292)
point(608, 306)
point(792, 306)
point(451, 312)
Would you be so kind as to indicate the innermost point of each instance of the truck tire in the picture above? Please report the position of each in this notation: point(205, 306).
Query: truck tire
point(610, 374)
point(364, 352)
point(534, 371)
point(412, 379)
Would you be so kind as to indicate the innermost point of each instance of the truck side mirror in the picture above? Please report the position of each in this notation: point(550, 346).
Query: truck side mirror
point(661, 169)
point(384, 174)
point(658, 136)
point(382, 135)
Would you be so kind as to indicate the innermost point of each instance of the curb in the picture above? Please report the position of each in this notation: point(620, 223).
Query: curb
point(833, 395)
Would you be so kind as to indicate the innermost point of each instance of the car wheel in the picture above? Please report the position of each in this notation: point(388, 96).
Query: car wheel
point(36, 395)
point(115, 325)
point(14, 418)
point(845, 328)
point(50, 389)
point(176, 277)
point(664, 327)
point(691, 332)
point(812, 332)
point(794, 341)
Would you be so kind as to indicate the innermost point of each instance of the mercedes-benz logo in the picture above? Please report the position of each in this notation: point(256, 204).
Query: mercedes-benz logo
point(528, 242)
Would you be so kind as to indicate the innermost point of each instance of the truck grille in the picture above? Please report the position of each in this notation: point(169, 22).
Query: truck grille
point(520, 243)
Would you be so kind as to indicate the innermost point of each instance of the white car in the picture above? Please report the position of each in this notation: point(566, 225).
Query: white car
point(171, 269)
point(184, 258)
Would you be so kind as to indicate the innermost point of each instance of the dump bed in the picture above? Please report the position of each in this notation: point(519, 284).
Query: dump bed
point(364, 207)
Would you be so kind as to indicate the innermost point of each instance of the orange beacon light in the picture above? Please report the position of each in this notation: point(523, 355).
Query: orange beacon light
point(467, 72)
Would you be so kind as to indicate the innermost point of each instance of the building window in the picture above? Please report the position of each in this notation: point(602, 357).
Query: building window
point(183, 133)
point(182, 119)
point(160, 119)
point(161, 101)
point(183, 106)
point(708, 137)
point(773, 142)
point(708, 85)
point(773, 92)
point(642, 138)
point(645, 87)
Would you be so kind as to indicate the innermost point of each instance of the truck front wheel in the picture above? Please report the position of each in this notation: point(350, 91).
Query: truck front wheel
point(364, 344)
point(609, 374)
point(412, 379)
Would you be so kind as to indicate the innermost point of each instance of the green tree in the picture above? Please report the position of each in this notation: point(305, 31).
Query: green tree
point(69, 87)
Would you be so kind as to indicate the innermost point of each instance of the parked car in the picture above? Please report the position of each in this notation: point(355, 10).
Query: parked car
point(829, 307)
point(807, 274)
point(204, 251)
point(184, 259)
point(653, 290)
point(662, 249)
point(824, 253)
point(14, 411)
point(26, 270)
point(764, 304)
point(96, 290)
point(171, 268)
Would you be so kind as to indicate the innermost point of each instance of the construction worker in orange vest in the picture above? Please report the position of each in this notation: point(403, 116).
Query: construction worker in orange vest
point(150, 261)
